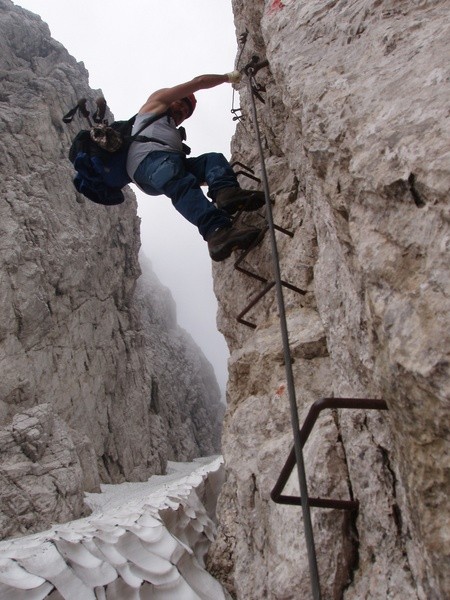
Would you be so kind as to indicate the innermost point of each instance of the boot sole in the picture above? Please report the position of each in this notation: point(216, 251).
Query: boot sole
point(239, 244)
point(248, 204)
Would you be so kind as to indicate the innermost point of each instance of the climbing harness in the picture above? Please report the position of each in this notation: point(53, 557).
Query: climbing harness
point(300, 435)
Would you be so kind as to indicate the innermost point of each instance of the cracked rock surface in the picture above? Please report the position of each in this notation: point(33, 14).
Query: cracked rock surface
point(44, 468)
point(355, 131)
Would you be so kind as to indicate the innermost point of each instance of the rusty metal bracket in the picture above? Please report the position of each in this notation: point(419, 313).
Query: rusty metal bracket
point(268, 284)
point(255, 65)
point(236, 116)
point(247, 171)
point(260, 295)
point(251, 69)
point(311, 418)
point(259, 88)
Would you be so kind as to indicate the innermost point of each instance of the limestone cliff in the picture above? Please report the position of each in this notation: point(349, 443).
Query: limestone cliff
point(355, 130)
point(98, 383)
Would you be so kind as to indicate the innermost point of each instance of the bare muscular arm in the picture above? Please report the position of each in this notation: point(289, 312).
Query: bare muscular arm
point(160, 100)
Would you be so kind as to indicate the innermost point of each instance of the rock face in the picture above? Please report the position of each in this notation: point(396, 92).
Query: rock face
point(355, 130)
point(119, 380)
point(44, 468)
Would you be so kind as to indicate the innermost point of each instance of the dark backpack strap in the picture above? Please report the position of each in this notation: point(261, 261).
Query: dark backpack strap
point(145, 124)
point(99, 115)
point(80, 107)
point(142, 138)
point(68, 118)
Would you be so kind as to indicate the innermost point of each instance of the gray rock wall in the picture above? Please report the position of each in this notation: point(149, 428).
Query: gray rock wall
point(356, 134)
point(120, 380)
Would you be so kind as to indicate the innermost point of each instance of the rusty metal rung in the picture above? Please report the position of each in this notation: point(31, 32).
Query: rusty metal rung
point(244, 322)
point(319, 502)
point(260, 295)
point(249, 273)
point(285, 231)
point(248, 175)
point(311, 418)
point(244, 253)
point(247, 172)
point(294, 288)
point(268, 286)
point(240, 164)
point(249, 306)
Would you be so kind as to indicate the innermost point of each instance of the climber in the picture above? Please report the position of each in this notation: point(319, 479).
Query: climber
point(160, 166)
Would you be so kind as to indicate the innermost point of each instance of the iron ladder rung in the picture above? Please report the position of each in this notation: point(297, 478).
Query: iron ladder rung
point(311, 418)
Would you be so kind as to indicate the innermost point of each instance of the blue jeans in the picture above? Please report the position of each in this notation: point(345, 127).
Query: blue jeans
point(179, 178)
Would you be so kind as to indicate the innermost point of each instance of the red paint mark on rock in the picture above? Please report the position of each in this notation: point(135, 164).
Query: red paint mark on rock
point(276, 6)
point(280, 389)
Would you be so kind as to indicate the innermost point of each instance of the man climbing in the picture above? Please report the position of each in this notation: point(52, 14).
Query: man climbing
point(158, 165)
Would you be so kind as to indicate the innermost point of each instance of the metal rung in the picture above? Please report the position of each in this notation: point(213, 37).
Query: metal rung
point(248, 175)
point(244, 253)
point(240, 164)
point(311, 418)
point(258, 240)
point(269, 285)
point(247, 172)
point(255, 300)
point(261, 295)
point(319, 502)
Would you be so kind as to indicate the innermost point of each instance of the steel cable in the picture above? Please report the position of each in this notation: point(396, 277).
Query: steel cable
point(309, 535)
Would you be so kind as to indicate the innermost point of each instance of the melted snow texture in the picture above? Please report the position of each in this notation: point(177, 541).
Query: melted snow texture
point(143, 540)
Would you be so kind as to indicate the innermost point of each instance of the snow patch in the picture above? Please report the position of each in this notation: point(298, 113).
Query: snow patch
point(142, 540)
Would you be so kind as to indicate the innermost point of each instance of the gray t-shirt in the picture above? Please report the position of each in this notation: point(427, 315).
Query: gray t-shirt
point(163, 129)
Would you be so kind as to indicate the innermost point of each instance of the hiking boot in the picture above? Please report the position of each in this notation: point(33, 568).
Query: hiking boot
point(234, 198)
point(223, 241)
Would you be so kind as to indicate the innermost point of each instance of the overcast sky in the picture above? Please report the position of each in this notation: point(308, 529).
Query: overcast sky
point(130, 50)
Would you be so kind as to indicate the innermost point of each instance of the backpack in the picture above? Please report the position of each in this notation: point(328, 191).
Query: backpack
point(99, 155)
